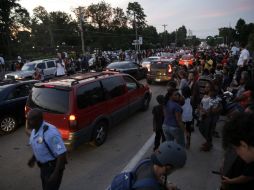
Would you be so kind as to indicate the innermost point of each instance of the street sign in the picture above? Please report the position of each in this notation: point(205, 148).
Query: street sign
point(140, 40)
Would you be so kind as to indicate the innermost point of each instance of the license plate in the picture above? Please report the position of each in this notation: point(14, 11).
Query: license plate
point(157, 80)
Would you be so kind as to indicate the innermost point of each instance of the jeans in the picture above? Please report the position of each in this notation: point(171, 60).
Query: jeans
point(174, 133)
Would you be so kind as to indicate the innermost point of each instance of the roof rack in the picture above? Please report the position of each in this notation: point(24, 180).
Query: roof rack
point(79, 77)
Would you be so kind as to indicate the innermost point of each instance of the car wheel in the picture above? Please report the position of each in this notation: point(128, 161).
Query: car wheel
point(146, 103)
point(8, 124)
point(100, 133)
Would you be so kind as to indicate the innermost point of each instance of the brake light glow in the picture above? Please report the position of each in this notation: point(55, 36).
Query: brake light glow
point(64, 133)
point(169, 69)
point(72, 121)
point(72, 118)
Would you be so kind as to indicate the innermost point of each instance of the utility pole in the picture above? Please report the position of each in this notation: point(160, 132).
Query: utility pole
point(136, 31)
point(81, 29)
point(164, 35)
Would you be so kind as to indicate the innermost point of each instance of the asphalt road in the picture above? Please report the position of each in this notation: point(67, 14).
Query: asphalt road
point(92, 168)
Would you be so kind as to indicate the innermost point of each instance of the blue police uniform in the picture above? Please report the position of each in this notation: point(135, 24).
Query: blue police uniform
point(47, 145)
point(53, 139)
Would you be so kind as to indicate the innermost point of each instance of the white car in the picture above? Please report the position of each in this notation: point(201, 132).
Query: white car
point(48, 66)
point(146, 62)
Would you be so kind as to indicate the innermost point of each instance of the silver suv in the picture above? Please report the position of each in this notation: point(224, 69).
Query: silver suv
point(48, 66)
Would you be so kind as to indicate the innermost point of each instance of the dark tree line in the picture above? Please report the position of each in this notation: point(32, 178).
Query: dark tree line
point(104, 27)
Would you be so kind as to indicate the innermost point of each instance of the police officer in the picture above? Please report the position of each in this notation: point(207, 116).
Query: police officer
point(48, 150)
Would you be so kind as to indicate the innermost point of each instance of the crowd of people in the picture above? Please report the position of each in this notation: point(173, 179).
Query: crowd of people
point(220, 82)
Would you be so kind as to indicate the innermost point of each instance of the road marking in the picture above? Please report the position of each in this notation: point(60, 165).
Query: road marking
point(139, 154)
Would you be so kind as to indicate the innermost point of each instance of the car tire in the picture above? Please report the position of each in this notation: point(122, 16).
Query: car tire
point(100, 133)
point(8, 124)
point(146, 102)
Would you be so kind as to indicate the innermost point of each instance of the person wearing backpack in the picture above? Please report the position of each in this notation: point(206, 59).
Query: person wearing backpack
point(48, 150)
point(151, 174)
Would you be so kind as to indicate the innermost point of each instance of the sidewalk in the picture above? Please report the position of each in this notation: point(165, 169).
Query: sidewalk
point(196, 174)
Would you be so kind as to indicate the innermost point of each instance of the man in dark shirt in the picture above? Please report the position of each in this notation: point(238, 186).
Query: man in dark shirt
point(239, 134)
point(158, 118)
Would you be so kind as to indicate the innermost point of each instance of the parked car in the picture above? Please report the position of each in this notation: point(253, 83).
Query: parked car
point(86, 105)
point(13, 96)
point(48, 66)
point(160, 71)
point(129, 67)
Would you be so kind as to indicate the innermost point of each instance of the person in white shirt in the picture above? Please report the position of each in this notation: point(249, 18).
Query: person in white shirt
point(242, 62)
point(60, 66)
point(244, 58)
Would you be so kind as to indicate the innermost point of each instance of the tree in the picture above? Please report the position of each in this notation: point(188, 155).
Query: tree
point(228, 35)
point(240, 31)
point(100, 14)
point(150, 37)
point(251, 42)
point(12, 18)
point(58, 27)
point(211, 41)
point(181, 35)
point(135, 9)
point(119, 18)
point(42, 16)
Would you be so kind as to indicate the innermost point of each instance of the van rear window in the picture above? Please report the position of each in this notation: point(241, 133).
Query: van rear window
point(49, 99)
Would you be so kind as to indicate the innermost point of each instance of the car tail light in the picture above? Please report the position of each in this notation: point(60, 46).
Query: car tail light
point(65, 133)
point(169, 69)
point(73, 121)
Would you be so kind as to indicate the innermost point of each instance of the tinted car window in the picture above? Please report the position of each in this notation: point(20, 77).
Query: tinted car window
point(113, 87)
point(130, 83)
point(41, 65)
point(89, 95)
point(159, 65)
point(49, 99)
point(19, 91)
point(118, 66)
point(51, 64)
point(132, 65)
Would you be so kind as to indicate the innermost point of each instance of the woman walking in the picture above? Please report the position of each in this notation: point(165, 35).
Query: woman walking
point(173, 126)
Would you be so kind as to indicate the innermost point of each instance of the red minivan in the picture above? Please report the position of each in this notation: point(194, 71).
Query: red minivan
point(84, 106)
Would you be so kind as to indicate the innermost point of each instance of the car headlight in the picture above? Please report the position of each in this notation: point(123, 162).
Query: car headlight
point(148, 67)
point(16, 77)
point(5, 76)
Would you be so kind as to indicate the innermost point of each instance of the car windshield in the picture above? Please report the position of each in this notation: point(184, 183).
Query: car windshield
point(28, 67)
point(49, 99)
